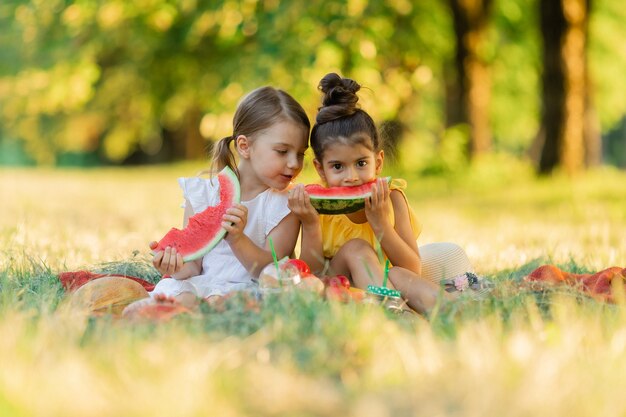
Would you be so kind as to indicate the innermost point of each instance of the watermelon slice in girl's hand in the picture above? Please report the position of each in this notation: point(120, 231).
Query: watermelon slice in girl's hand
point(204, 230)
point(340, 200)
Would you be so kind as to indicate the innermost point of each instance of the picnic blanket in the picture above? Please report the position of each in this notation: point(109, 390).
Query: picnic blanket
point(598, 285)
point(73, 280)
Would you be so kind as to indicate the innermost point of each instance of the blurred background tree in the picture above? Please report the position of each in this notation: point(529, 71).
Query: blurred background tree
point(91, 82)
point(569, 130)
point(470, 99)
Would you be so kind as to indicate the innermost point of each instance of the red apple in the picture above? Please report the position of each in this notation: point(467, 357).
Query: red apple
point(343, 281)
point(300, 265)
point(338, 293)
point(337, 281)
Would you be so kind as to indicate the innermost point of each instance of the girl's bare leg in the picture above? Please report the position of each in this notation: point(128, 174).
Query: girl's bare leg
point(421, 294)
point(358, 261)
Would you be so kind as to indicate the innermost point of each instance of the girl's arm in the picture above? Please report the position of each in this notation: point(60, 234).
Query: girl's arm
point(311, 248)
point(168, 262)
point(397, 239)
point(251, 256)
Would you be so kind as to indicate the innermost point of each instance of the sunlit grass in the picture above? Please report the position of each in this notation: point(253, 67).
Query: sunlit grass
point(515, 353)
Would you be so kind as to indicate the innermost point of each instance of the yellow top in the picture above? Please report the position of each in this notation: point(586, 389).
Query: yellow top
point(338, 229)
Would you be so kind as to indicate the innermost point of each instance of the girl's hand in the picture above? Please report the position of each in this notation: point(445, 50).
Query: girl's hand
point(378, 207)
point(234, 221)
point(300, 205)
point(167, 262)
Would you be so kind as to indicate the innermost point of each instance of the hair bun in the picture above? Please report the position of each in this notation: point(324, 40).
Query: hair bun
point(340, 97)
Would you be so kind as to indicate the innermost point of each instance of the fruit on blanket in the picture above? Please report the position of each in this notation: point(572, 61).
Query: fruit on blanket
point(299, 264)
point(344, 295)
point(357, 294)
point(337, 294)
point(600, 285)
point(311, 283)
point(336, 281)
point(204, 229)
point(109, 294)
point(339, 200)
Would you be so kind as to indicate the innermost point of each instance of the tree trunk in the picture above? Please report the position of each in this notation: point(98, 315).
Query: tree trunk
point(473, 78)
point(592, 137)
point(568, 134)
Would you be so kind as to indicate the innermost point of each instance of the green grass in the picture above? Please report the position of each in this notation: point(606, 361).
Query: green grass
point(517, 352)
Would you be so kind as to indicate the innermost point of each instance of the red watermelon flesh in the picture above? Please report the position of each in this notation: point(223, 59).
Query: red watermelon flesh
point(339, 200)
point(204, 230)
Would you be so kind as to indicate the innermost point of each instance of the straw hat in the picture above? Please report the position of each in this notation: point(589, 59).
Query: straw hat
point(447, 264)
point(443, 260)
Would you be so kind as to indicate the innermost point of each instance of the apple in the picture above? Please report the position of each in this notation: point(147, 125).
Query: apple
point(337, 281)
point(299, 264)
point(337, 293)
point(311, 283)
point(357, 294)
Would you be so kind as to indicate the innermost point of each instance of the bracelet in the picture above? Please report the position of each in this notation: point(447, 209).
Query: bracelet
point(384, 291)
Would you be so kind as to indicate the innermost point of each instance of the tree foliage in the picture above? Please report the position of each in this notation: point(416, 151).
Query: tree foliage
point(114, 76)
point(161, 78)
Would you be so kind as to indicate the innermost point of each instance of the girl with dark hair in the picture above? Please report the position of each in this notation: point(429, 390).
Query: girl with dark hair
point(270, 132)
point(348, 152)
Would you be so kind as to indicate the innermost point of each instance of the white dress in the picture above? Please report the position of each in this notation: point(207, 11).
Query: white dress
point(221, 270)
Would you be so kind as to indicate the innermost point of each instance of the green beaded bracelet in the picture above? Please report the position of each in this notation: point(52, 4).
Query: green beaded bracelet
point(384, 291)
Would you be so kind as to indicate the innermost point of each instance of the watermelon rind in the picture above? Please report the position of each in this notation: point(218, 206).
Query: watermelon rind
point(194, 226)
point(340, 200)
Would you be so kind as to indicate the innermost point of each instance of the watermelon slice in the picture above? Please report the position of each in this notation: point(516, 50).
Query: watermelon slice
point(339, 200)
point(204, 230)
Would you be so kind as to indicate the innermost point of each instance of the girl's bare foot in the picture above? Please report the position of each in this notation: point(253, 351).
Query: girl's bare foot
point(159, 307)
point(133, 307)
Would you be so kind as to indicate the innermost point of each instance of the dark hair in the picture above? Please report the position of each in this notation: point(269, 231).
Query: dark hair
point(257, 111)
point(340, 120)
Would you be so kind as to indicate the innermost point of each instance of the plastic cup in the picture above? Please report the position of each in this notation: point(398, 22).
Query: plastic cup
point(385, 297)
point(273, 281)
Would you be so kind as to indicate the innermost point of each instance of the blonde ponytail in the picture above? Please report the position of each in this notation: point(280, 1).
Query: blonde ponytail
point(223, 156)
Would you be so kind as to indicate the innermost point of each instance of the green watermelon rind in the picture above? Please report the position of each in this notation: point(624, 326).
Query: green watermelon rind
point(230, 174)
point(340, 204)
point(337, 206)
point(222, 232)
